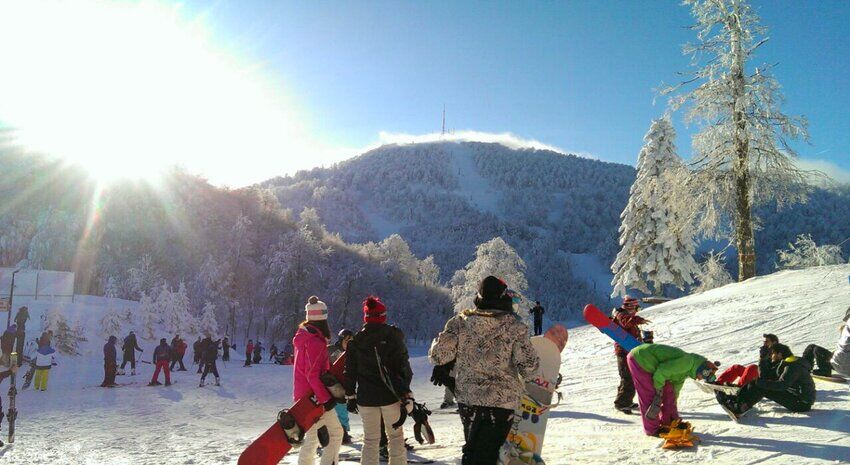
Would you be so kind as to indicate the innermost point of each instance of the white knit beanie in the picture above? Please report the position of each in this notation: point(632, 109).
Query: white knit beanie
point(316, 309)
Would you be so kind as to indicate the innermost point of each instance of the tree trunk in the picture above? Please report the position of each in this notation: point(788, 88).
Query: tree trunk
point(744, 240)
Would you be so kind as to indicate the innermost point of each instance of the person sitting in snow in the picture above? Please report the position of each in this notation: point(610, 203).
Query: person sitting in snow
point(626, 317)
point(827, 361)
point(43, 363)
point(794, 389)
point(739, 375)
point(658, 372)
point(110, 362)
point(161, 357)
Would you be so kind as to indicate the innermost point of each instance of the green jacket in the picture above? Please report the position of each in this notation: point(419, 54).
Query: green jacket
point(666, 363)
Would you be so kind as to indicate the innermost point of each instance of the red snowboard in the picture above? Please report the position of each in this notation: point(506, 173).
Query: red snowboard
point(272, 446)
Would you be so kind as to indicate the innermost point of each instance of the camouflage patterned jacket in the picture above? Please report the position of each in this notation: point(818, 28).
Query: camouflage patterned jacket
point(493, 355)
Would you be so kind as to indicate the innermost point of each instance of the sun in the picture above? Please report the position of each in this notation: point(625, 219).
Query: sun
point(127, 89)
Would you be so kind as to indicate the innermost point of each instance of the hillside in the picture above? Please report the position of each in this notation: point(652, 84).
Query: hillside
point(74, 423)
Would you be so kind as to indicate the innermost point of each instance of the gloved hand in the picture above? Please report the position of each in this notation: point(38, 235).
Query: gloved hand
point(351, 406)
point(330, 405)
point(441, 376)
point(655, 407)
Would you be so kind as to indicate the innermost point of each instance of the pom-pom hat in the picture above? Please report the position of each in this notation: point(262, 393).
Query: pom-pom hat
point(316, 309)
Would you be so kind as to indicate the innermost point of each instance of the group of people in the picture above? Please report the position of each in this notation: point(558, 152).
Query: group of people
point(165, 358)
point(656, 373)
point(13, 340)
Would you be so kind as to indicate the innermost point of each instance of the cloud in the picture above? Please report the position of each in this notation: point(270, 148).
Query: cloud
point(507, 139)
point(830, 169)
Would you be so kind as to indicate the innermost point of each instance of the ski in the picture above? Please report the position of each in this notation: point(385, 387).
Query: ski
point(13, 392)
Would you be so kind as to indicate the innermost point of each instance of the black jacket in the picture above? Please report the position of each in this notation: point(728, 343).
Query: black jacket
point(131, 345)
point(794, 377)
point(767, 367)
point(210, 351)
point(361, 365)
point(109, 352)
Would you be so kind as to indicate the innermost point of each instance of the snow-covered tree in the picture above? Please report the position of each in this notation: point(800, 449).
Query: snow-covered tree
point(712, 273)
point(112, 289)
point(657, 244)
point(144, 277)
point(495, 258)
point(742, 151)
point(176, 314)
point(151, 316)
point(429, 272)
point(208, 323)
point(110, 324)
point(805, 253)
point(66, 340)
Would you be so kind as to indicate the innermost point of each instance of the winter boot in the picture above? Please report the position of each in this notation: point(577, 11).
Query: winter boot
point(133, 373)
point(346, 438)
point(121, 372)
point(202, 383)
point(217, 383)
point(167, 383)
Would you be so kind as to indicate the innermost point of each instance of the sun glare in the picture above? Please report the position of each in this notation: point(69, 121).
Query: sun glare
point(127, 89)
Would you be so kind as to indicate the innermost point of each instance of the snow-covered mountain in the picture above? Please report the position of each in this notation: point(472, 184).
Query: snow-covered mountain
point(445, 198)
point(74, 422)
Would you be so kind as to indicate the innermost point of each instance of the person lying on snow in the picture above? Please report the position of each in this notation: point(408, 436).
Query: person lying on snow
point(793, 389)
point(739, 375)
point(659, 371)
point(827, 361)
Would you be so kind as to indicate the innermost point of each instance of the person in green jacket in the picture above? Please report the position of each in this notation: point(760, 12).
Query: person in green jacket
point(659, 371)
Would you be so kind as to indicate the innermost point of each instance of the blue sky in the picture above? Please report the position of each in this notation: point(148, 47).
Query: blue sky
point(578, 75)
point(575, 74)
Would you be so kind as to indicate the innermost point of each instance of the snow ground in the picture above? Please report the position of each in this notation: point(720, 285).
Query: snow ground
point(184, 424)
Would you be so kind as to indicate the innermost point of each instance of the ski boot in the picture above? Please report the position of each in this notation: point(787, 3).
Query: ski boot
point(202, 383)
point(133, 373)
point(346, 439)
point(217, 383)
point(121, 372)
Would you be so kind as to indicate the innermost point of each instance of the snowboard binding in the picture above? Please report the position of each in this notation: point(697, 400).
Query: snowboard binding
point(293, 432)
point(334, 387)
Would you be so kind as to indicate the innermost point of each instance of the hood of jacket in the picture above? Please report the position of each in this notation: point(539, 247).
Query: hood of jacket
point(304, 334)
point(46, 350)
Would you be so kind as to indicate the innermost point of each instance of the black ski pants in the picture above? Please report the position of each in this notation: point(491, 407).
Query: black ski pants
point(129, 358)
point(488, 430)
point(819, 358)
point(751, 394)
point(626, 390)
point(210, 367)
point(538, 325)
point(177, 359)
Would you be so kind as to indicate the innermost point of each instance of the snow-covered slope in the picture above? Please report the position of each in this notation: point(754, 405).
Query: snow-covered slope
point(184, 424)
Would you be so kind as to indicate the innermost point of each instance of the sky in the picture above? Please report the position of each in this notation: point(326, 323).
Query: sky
point(244, 91)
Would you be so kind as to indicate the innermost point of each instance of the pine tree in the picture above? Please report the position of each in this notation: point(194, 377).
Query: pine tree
point(712, 273)
point(208, 324)
point(65, 339)
point(742, 154)
point(110, 324)
point(657, 245)
point(495, 258)
point(150, 316)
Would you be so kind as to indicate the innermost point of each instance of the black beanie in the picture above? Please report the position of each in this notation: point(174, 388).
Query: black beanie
point(491, 288)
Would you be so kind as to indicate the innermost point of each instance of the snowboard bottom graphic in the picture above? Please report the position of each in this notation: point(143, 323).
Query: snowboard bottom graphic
point(711, 388)
point(525, 439)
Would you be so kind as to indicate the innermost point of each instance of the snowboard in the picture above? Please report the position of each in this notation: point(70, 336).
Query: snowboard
point(831, 379)
point(30, 374)
point(275, 443)
point(525, 439)
point(710, 388)
point(355, 458)
point(607, 326)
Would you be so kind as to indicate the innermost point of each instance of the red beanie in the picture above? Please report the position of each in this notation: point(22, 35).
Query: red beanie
point(374, 311)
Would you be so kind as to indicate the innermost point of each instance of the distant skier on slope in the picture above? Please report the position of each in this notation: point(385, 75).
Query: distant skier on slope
point(161, 357)
point(131, 345)
point(377, 382)
point(311, 361)
point(537, 312)
point(249, 352)
point(208, 358)
point(225, 349)
point(178, 351)
point(493, 354)
point(110, 362)
point(43, 363)
point(334, 351)
point(659, 371)
point(794, 389)
point(626, 317)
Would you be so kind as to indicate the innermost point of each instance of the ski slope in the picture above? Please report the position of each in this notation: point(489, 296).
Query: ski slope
point(74, 422)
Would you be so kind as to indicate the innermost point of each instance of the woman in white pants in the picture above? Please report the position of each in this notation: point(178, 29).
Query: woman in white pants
point(377, 382)
point(311, 361)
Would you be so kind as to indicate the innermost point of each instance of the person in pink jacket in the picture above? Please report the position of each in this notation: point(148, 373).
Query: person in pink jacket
point(311, 361)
